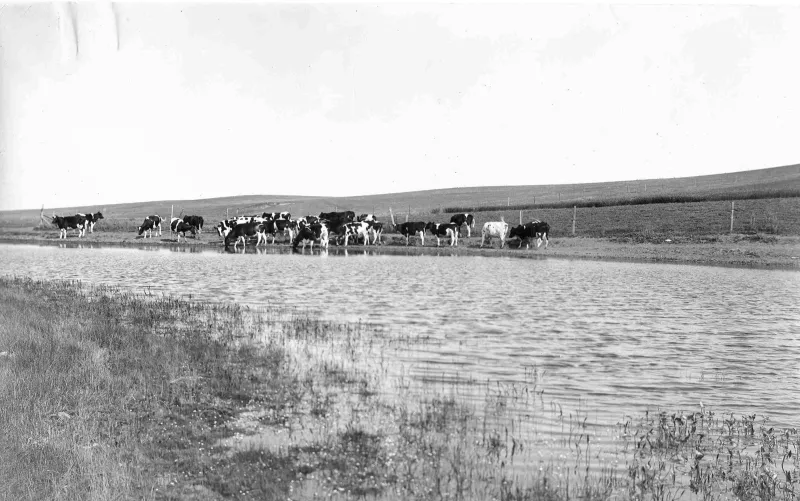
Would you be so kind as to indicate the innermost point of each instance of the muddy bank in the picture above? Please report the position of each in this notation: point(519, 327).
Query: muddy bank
point(751, 250)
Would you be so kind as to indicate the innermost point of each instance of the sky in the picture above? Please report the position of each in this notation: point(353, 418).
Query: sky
point(106, 103)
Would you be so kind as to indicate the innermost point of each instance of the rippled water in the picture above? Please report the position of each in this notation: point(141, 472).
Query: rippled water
point(612, 338)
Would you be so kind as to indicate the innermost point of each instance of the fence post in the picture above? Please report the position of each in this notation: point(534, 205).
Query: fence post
point(226, 214)
point(508, 203)
point(574, 213)
point(732, 216)
point(520, 217)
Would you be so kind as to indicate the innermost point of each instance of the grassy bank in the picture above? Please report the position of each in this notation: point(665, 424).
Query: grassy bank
point(755, 249)
point(109, 395)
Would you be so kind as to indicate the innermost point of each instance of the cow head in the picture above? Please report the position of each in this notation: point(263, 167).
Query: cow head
point(431, 226)
point(99, 215)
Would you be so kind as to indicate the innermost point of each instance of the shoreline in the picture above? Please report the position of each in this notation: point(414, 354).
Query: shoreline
point(758, 251)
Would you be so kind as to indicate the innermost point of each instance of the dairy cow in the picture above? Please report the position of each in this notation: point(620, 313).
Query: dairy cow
point(179, 226)
point(150, 223)
point(242, 231)
point(196, 221)
point(309, 234)
point(495, 229)
point(91, 219)
point(534, 230)
point(70, 223)
point(443, 230)
point(461, 219)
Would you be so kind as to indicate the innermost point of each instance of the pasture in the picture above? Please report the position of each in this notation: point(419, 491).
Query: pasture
point(769, 205)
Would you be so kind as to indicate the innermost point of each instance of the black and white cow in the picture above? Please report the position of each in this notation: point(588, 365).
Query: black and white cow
point(70, 223)
point(528, 231)
point(495, 229)
point(309, 234)
point(366, 217)
point(91, 219)
point(376, 229)
point(196, 221)
point(410, 228)
point(356, 230)
point(242, 231)
point(461, 219)
point(150, 223)
point(277, 215)
point(444, 230)
point(179, 227)
point(308, 220)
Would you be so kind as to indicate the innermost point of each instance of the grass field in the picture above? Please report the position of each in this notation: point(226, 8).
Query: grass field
point(426, 204)
point(106, 394)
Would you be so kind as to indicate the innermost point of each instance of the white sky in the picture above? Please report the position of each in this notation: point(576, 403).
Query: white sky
point(207, 100)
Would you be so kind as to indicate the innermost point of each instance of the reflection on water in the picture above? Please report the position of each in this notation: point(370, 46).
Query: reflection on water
point(605, 338)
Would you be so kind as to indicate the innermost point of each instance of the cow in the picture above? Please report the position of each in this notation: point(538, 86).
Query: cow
point(285, 215)
point(442, 230)
point(408, 229)
point(376, 228)
point(196, 221)
point(91, 219)
point(268, 227)
point(308, 220)
point(461, 219)
point(179, 226)
point(70, 223)
point(356, 230)
point(366, 217)
point(535, 229)
point(495, 229)
point(309, 234)
point(150, 223)
point(242, 231)
point(336, 218)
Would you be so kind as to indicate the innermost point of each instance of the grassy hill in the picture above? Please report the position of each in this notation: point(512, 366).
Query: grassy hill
point(706, 194)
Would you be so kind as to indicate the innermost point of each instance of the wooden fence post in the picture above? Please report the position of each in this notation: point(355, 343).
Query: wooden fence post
point(732, 216)
point(520, 217)
point(508, 203)
point(574, 213)
point(226, 214)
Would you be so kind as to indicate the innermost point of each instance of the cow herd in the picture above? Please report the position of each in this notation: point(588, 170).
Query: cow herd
point(340, 227)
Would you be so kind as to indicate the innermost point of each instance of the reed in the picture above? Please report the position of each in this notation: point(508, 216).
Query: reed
point(109, 394)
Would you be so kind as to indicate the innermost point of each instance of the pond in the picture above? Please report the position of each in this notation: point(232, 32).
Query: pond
point(610, 338)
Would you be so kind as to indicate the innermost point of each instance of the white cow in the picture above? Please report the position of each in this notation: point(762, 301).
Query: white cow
point(495, 229)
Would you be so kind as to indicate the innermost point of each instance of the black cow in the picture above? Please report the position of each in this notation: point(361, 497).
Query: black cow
point(91, 219)
point(309, 234)
point(337, 218)
point(242, 231)
point(196, 221)
point(151, 223)
point(179, 226)
point(461, 219)
point(535, 229)
point(441, 230)
point(70, 223)
point(412, 228)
